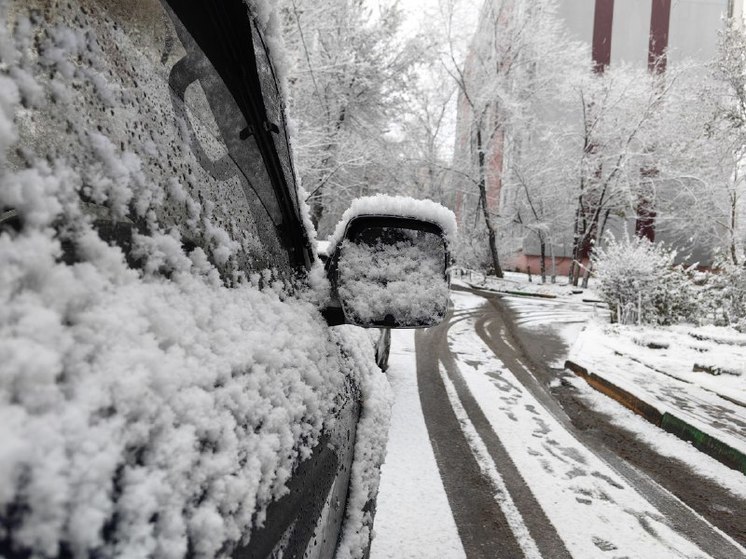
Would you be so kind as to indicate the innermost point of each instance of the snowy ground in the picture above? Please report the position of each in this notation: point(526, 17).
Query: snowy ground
point(663, 375)
point(655, 363)
point(592, 508)
point(685, 353)
point(595, 511)
point(413, 518)
point(519, 282)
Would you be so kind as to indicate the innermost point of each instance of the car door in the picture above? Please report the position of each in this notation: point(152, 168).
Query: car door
point(189, 89)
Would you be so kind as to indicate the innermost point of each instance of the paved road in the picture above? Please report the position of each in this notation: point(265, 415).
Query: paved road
point(500, 508)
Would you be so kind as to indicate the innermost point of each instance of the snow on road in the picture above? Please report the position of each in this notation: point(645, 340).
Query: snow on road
point(663, 442)
point(413, 518)
point(625, 365)
point(565, 316)
point(595, 511)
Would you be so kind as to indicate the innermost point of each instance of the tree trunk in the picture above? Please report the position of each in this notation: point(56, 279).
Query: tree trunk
point(584, 245)
point(574, 273)
point(733, 223)
point(543, 253)
point(317, 203)
point(493, 244)
point(492, 237)
point(599, 232)
point(646, 214)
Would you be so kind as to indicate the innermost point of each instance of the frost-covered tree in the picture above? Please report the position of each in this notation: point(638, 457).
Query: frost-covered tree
point(539, 183)
point(620, 122)
point(724, 141)
point(699, 130)
point(425, 134)
point(518, 61)
point(677, 140)
point(349, 69)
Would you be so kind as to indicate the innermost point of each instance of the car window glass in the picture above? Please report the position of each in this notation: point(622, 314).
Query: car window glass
point(115, 98)
point(207, 132)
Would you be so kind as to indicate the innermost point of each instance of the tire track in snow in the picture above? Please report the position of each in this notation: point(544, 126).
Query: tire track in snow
point(495, 331)
point(521, 519)
point(502, 495)
point(528, 520)
point(482, 526)
point(538, 312)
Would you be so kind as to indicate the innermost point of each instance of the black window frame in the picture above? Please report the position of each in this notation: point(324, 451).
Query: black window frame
point(225, 33)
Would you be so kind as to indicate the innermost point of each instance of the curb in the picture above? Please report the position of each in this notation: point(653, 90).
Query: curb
point(713, 447)
point(507, 292)
point(627, 399)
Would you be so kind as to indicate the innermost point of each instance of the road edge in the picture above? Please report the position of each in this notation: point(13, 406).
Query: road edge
point(704, 442)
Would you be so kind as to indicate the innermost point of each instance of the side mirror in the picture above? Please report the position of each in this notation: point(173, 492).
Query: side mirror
point(389, 271)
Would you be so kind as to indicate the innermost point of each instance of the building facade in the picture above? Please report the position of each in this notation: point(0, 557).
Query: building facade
point(630, 29)
point(648, 33)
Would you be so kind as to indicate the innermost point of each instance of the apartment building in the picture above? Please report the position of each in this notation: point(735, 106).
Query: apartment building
point(651, 33)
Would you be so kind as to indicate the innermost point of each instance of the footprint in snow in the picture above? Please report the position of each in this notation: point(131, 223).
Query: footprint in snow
point(603, 544)
point(608, 480)
point(531, 408)
point(543, 428)
point(575, 472)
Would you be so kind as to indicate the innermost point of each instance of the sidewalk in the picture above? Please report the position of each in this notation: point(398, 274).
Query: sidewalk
point(512, 284)
point(652, 372)
point(688, 381)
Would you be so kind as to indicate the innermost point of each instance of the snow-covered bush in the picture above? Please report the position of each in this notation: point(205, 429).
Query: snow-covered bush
point(641, 284)
point(725, 294)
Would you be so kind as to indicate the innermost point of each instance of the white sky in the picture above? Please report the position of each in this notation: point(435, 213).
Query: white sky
point(426, 14)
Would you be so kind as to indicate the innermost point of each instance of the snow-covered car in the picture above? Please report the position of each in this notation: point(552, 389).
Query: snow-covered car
point(170, 384)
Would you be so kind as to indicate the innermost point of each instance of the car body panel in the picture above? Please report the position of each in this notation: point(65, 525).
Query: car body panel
point(143, 93)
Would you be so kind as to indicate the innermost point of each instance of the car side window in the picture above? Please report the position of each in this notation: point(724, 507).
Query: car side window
point(222, 141)
point(138, 107)
point(242, 89)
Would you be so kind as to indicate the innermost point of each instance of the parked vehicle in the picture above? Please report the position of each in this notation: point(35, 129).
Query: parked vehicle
point(169, 384)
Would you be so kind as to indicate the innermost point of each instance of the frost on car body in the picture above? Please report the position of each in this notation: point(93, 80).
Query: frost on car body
point(166, 373)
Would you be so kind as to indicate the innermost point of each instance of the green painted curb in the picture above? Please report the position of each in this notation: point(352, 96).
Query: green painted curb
point(703, 442)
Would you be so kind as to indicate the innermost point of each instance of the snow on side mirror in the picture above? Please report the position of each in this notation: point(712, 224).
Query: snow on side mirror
point(387, 263)
point(391, 272)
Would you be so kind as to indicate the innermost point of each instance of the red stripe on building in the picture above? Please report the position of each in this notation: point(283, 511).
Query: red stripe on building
point(660, 19)
point(601, 47)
